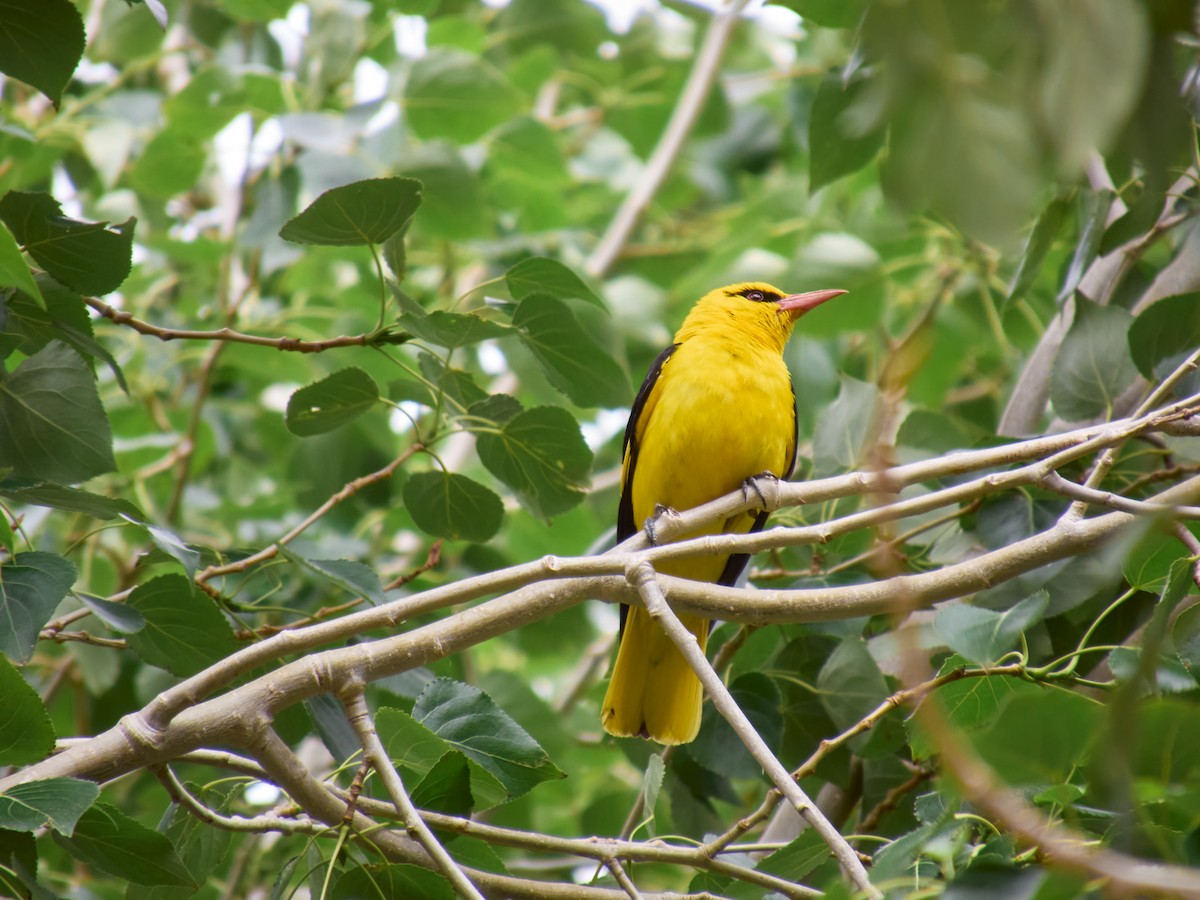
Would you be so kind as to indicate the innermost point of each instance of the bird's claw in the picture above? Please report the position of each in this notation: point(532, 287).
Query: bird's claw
point(660, 512)
point(750, 485)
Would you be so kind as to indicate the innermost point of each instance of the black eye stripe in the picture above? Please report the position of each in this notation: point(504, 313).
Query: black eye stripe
point(761, 296)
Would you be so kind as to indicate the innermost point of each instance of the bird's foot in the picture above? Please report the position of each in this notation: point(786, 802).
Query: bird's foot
point(760, 485)
point(659, 522)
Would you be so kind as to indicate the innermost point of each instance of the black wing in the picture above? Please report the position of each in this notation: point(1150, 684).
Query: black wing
point(626, 526)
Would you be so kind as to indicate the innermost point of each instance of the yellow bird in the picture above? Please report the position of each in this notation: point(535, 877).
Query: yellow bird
point(716, 408)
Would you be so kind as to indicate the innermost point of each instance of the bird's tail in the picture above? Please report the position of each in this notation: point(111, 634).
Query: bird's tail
point(653, 692)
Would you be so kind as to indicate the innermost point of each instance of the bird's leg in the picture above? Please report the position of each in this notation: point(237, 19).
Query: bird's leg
point(661, 512)
point(752, 485)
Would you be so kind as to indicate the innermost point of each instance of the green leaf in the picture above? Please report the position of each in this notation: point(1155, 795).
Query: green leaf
point(797, 859)
point(1163, 333)
point(171, 163)
point(982, 635)
point(57, 496)
point(395, 253)
point(31, 587)
point(652, 782)
point(1040, 738)
point(459, 386)
point(496, 410)
point(458, 96)
point(1092, 44)
point(114, 843)
point(1045, 230)
point(540, 275)
point(255, 10)
point(381, 882)
point(571, 360)
point(117, 616)
point(850, 686)
point(64, 318)
point(447, 786)
point(200, 846)
point(52, 425)
point(526, 174)
point(54, 802)
point(969, 704)
point(454, 207)
point(350, 576)
point(87, 257)
point(452, 506)
point(447, 329)
point(1167, 747)
point(41, 43)
point(364, 212)
point(207, 103)
point(829, 13)
point(331, 402)
point(1094, 210)
point(952, 148)
point(469, 721)
point(1170, 674)
point(837, 147)
point(26, 733)
point(1147, 564)
point(409, 743)
point(1093, 365)
point(541, 454)
point(14, 271)
point(171, 544)
point(719, 749)
point(418, 750)
point(842, 428)
point(328, 717)
point(185, 631)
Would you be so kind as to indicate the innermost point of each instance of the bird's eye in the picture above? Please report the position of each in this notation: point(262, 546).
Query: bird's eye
point(756, 296)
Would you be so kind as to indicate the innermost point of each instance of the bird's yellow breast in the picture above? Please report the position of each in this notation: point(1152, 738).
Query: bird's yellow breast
point(721, 412)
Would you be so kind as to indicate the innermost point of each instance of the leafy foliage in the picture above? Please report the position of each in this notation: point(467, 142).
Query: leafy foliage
point(359, 356)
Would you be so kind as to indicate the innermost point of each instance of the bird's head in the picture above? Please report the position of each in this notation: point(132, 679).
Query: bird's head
point(753, 310)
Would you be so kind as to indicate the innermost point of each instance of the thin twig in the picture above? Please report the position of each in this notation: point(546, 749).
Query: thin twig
point(1109, 455)
point(186, 448)
point(872, 819)
point(345, 493)
point(432, 559)
point(1052, 481)
point(255, 824)
point(623, 879)
point(645, 580)
point(866, 723)
point(679, 126)
point(227, 335)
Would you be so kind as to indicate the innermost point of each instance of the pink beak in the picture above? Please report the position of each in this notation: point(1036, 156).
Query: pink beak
point(799, 304)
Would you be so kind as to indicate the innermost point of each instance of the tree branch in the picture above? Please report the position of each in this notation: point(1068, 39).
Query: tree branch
point(646, 581)
point(679, 126)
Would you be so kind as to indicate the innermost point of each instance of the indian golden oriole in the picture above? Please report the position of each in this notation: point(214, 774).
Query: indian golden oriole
point(717, 408)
